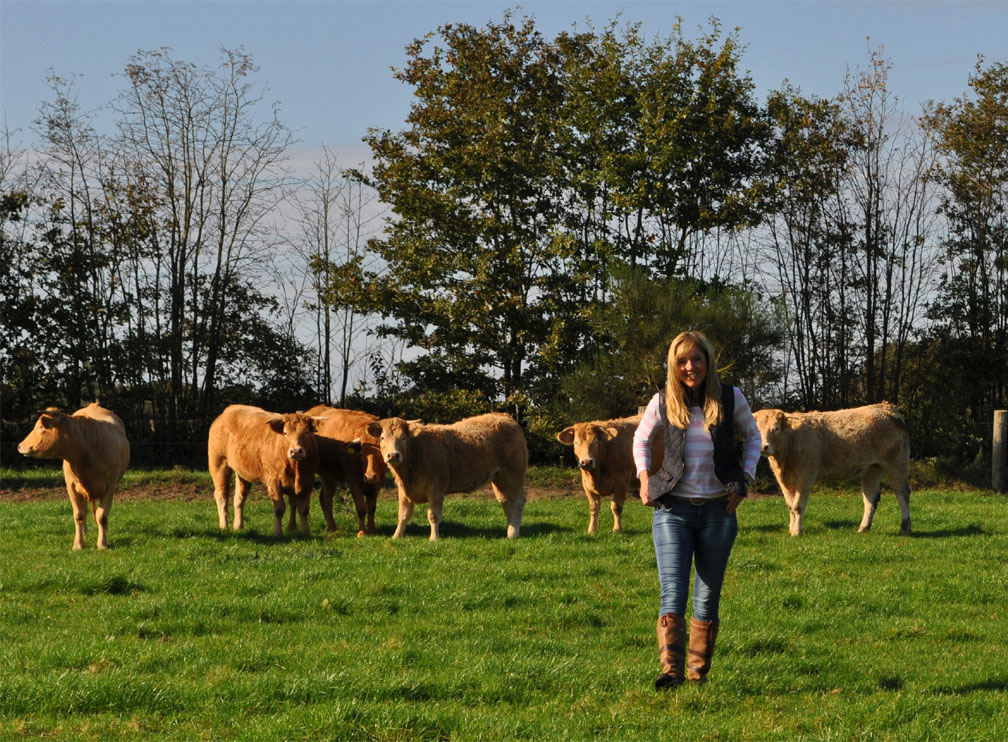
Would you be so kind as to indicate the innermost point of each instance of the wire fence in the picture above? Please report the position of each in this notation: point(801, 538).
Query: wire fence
point(153, 444)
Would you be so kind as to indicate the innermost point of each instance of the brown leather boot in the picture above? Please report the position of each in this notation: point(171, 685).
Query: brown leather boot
point(671, 650)
point(701, 649)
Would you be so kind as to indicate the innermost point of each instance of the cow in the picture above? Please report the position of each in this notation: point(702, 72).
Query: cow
point(604, 450)
point(95, 451)
point(870, 441)
point(259, 446)
point(430, 461)
point(362, 471)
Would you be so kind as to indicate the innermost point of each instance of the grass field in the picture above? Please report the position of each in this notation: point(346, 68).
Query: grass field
point(181, 632)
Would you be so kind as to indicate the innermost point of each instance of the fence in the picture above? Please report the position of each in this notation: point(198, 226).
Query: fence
point(153, 445)
point(999, 452)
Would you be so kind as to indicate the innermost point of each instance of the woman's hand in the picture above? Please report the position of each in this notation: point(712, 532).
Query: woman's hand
point(733, 503)
point(643, 494)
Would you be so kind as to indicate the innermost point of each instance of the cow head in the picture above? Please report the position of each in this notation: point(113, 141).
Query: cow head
point(298, 430)
point(47, 439)
point(368, 448)
point(394, 435)
point(587, 439)
point(773, 427)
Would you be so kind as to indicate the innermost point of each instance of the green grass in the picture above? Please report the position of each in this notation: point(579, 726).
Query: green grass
point(181, 632)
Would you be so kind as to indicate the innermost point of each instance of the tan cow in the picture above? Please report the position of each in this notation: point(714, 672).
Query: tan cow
point(92, 443)
point(604, 450)
point(870, 441)
point(363, 471)
point(259, 446)
point(430, 461)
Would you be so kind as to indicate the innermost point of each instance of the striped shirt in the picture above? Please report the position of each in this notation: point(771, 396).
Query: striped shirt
point(698, 478)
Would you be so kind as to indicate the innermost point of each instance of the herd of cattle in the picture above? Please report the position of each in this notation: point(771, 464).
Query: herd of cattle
point(285, 453)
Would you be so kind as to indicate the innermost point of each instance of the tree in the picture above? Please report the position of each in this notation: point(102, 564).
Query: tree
point(970, 313)
point(891, 212)
point(850, 247)
point(630, 364)
point(470, 184)
point(532, 170)
point(335, 212)
point(805, 265)
point(191, 137)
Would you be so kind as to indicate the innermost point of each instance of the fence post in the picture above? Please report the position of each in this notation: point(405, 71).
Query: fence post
point(999, 452)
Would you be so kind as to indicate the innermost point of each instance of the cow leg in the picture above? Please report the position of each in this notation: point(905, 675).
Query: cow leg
point(102, 508)
point(79, 504)
point(303, 505)
point(434, 506)
point(292, 516)
point(325, 499)
point(279, 506)
point(794, 520)
point(512, 498)
point(360, 505)
point(800, 501)
point(900, 482)
point(616, 506)
point(241, 492)
point(371, 501)
point(871, 490)
point(594, 505)
point(515, 517)
point(220, 472)
point(405, 513)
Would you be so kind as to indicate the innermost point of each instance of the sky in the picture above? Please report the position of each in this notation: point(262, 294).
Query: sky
point(329, 62)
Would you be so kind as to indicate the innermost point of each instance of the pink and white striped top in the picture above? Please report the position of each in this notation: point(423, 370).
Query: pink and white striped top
point(698, 478)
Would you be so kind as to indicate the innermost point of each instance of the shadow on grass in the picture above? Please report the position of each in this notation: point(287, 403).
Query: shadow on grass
point(842, 525)
point(973, 529)
point(214, 533)
point(450, 529)
point(998, 685)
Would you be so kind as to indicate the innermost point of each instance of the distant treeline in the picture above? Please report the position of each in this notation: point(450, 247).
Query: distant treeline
point(551, 214)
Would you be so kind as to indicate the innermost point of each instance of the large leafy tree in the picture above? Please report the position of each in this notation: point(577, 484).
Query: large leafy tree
point(531, 170)
point(470, 182)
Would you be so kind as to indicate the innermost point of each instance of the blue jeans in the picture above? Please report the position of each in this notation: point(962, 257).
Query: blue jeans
point(685, 534)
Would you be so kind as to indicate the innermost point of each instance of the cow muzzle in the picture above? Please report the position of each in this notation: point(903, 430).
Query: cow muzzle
point(393, 457)
point(296, 454)
point(587, 464)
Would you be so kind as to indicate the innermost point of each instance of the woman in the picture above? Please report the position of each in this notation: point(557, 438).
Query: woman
point(695, 493)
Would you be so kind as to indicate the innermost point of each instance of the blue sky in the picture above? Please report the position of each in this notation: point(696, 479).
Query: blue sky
point(328, 62)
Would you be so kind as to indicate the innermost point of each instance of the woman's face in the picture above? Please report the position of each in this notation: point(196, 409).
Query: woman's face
point(693, 368)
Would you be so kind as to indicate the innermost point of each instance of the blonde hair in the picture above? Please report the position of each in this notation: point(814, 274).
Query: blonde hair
point(677, 401)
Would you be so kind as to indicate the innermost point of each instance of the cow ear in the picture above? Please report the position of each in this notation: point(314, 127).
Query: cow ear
point(611, 432)
point(566, 436)
point(48, 420)
point(414, 426)
point(276, 424)
point(374, 429)
point(353, 446)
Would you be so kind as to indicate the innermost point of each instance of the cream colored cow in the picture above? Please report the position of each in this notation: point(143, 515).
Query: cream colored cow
point(430, 461)
point(804, 446)
point(92, 443)
point(604, 450)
